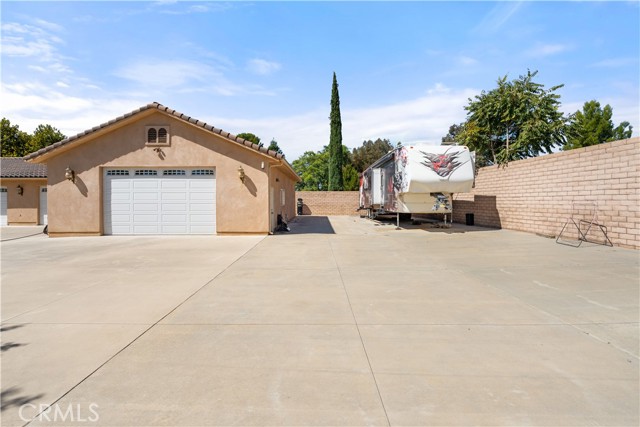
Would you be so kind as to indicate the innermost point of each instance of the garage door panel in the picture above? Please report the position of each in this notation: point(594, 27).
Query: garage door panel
point(202, 196)
point(175, 184)
point(174, 207)
point(160, 202)
point(145, 207)
point(125, 197)
point(121, 229)
point(174, 229)
point(120, 207)
point(202, 207)
point(175, 218)
point(181, 196)
point(200, 218)
point(202, 229)
point(145, 229)
point(146, 196)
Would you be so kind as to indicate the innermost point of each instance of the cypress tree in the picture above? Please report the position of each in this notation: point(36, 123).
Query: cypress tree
point(335, 141)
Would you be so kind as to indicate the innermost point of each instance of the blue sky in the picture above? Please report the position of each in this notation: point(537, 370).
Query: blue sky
point(405, 69)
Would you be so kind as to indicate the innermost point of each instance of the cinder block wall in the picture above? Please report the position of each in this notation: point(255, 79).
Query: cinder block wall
point(329, 202)
point(535, 195)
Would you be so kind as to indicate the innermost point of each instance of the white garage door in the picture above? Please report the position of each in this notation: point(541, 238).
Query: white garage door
point(43, 205)
point(160, 201)
point(3, 206)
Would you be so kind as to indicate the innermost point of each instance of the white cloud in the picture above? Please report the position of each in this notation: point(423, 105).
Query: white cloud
point(167, 73)
point(467, 60)
point(35, 42)
point(497, 17)
point(615, 62)
point(542, 50)
point(184, 76)
point(31, 104)
point(424, 119)
point(262, 66)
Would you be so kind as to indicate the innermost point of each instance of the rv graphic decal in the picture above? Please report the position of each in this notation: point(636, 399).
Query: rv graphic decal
point(441, 201)
point(442, 164)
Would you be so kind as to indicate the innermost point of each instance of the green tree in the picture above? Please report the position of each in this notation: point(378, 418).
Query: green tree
point(593, 125)
point(516, 120)
point(15, 143)
point(313, 168)
point(370, 151)
point(273, 145)
point(250, 137)
point(336, 182)
point(43, 136)
point(350, 177)
point(453, 137)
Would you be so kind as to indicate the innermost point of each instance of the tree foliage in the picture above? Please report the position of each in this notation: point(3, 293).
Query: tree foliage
point(593, 125)
point(453, 137)
point(250, 137)
point(17, 143)
point(516, 120)
point(336, 182)
point(273, 146)
point(313, 168)
point(43, 136)
point(370, 151)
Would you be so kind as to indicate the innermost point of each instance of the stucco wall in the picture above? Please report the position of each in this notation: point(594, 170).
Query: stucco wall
point(329, 202)
point(23, 209)
point(76, 208)
point(535, 195)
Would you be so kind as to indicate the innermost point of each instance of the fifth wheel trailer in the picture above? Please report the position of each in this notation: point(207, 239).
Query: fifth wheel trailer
point(417, 178)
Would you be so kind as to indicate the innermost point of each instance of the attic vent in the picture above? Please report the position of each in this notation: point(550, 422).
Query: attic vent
point(158, 135)
point(162, 136)
point(152, 136)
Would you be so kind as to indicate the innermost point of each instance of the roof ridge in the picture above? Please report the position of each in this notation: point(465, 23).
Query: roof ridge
point(167, 110)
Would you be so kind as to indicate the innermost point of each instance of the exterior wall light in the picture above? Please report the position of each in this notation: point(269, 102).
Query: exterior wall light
point(20, 190)
point(241, 174)
point(70, 174)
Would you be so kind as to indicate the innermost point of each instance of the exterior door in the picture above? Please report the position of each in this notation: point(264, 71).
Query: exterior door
point(43, 206)
point(3, 206)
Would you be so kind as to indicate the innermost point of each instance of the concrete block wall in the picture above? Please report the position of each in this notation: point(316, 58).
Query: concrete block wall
point(536, 195)
point(329, 202)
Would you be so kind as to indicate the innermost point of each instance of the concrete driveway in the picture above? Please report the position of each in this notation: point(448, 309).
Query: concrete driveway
point(343, 321)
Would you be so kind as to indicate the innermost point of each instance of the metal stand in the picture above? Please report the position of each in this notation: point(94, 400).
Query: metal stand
point(397, 220)
point(583, 226)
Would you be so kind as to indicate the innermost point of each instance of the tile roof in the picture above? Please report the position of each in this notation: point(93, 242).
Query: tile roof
point(16, 167)
point(167, 110)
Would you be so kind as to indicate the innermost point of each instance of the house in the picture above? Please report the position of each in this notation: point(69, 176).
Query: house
point(23, 192)
point(158, 171)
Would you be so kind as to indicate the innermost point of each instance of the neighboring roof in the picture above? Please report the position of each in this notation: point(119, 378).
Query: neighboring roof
point(16, 167)
point(174, 113)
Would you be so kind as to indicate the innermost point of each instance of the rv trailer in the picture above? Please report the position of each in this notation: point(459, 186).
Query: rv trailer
point(416, 179)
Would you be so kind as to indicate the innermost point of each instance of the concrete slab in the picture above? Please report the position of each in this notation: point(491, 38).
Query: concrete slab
point(70, 304)
point(249, 296)
point(342, 321)
point(15, 232)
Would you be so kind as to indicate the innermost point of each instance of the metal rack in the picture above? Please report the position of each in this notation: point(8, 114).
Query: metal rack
point(584, 219)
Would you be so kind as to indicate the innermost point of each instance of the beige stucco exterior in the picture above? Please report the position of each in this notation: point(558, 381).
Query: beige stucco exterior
point(23, 209)
point(76, 208)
